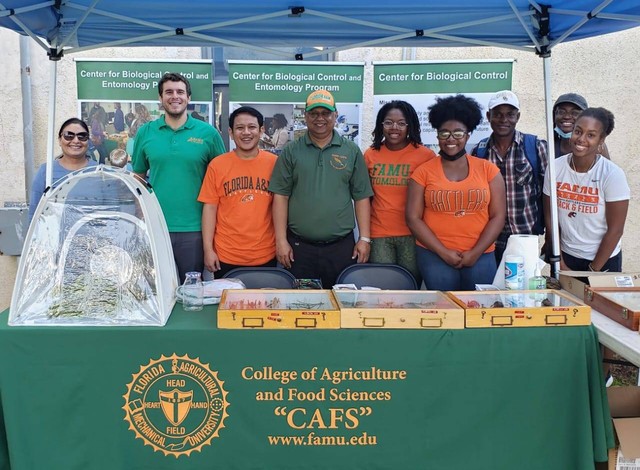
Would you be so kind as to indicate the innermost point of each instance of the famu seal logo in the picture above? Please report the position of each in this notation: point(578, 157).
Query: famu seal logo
point(176, 405)
point(339, 162)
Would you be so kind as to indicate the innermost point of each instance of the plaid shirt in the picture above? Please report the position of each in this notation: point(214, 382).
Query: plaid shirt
point(522, 191)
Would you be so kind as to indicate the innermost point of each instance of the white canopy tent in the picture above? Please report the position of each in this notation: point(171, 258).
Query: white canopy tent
point(63, 27)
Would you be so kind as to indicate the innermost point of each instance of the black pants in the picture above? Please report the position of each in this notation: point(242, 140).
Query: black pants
point(324, 261)
point(187, 252)
point(613, 264)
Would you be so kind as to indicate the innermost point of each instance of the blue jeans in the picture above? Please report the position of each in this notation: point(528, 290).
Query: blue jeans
point(438, 275)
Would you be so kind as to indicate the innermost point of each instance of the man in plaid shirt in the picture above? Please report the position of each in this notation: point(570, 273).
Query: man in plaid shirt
point(506, 148)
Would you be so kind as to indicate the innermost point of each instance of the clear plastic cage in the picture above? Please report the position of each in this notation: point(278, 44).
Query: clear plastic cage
point(97, 253)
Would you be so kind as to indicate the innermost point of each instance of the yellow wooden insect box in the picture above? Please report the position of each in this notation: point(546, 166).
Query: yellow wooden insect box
point(518, 308)
point(398, 309)
point(278, 309)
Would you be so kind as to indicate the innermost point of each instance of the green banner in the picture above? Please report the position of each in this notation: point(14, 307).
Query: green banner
point(138, 81)
point(291, 82)
point(442, 77)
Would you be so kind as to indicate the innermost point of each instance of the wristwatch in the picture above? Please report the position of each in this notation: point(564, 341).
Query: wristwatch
point(365, 239)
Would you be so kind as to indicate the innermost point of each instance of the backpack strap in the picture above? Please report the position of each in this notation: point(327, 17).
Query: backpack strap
point(481, 149)
point(531, 152)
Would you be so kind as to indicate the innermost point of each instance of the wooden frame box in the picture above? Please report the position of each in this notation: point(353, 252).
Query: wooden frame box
point(398, 309)
point(278, 309)
point(521, 308)
point(620, 304)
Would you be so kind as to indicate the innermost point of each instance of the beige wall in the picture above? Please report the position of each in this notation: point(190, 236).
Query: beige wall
point(603, 69)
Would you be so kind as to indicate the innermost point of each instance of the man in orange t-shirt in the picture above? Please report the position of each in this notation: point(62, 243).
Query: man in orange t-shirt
point(237, 226)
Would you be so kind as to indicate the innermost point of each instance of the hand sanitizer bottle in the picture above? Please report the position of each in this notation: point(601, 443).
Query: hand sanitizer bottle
point(537, 281)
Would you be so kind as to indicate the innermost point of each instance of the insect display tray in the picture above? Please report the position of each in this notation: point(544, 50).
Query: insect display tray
point(620, 304)
point(398, 309)
point(521, 308)
point(278, 309)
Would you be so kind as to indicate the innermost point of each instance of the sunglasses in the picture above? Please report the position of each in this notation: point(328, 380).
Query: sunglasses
point(69, 136)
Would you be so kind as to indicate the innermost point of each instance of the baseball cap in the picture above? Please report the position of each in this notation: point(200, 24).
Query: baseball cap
point(320, 99)
point(504, 97)
point(572, 98)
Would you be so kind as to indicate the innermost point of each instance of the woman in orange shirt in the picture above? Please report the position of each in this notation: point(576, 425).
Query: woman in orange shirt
point(456, 203)
point(396, 152)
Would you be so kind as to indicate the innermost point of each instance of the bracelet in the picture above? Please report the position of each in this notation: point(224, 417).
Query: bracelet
point(591, 267)
point(365, 239)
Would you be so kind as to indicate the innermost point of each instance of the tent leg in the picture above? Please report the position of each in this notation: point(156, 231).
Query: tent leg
point(53, 75)
point(27, 114)
point(555, 239)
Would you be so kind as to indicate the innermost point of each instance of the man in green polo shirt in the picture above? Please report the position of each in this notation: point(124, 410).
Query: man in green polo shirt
point(314, 182)
point(176, 149)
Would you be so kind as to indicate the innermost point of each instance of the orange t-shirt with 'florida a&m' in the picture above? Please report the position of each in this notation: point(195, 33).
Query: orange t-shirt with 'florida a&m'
point(244, 233)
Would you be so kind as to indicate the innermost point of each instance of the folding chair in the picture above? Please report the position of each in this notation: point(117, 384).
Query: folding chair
point(263, 277)
point(383, 276)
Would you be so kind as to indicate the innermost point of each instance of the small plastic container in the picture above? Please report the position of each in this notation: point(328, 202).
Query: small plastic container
point(192, 292)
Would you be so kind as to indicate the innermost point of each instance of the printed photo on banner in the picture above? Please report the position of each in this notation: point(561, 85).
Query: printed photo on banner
point(421, 83)
point(279, 90)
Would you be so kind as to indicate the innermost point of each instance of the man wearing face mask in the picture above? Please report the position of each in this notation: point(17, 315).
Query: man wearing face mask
point(566, 110)
point(522, 160)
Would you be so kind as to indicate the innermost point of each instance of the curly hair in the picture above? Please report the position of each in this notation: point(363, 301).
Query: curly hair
point(601, 114)
point(455, 108)
point(410, 115)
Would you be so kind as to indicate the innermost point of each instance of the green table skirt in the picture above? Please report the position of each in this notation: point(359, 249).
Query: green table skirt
point(499, 399)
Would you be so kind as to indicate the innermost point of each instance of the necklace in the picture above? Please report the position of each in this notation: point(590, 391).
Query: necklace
point(573, 165)
point(580, 181)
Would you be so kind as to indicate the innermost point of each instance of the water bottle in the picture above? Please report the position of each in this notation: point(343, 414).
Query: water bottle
point(192, 292)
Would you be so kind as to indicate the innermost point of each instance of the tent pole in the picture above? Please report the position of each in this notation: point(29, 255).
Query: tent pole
point(53, 75)
point(555, 239)
point(27, 113)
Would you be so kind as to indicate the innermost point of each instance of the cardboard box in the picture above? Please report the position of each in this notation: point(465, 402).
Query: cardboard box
point(575, 281)
point(624, 403)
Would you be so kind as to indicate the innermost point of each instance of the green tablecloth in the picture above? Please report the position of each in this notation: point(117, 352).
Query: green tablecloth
point(501, 399)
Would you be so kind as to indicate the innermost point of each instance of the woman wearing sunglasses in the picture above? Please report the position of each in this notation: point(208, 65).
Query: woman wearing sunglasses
point(456, 203)
point(396, 152)
point(73, 138)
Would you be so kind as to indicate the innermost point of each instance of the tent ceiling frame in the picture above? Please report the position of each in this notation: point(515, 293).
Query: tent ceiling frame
point(12, 14)
point(196, 31)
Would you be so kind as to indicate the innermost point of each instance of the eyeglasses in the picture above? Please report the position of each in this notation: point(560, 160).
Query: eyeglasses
point(69, 136)
point(563, 113)
point(317, 115)
point(391, 124)
point(444, 135)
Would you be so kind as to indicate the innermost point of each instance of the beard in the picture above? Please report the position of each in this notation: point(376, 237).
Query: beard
point(175, 115)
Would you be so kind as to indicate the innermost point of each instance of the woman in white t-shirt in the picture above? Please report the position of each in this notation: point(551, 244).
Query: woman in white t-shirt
point(592, 197)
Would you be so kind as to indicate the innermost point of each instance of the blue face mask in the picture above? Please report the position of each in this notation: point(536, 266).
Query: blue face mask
point(564, 135)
